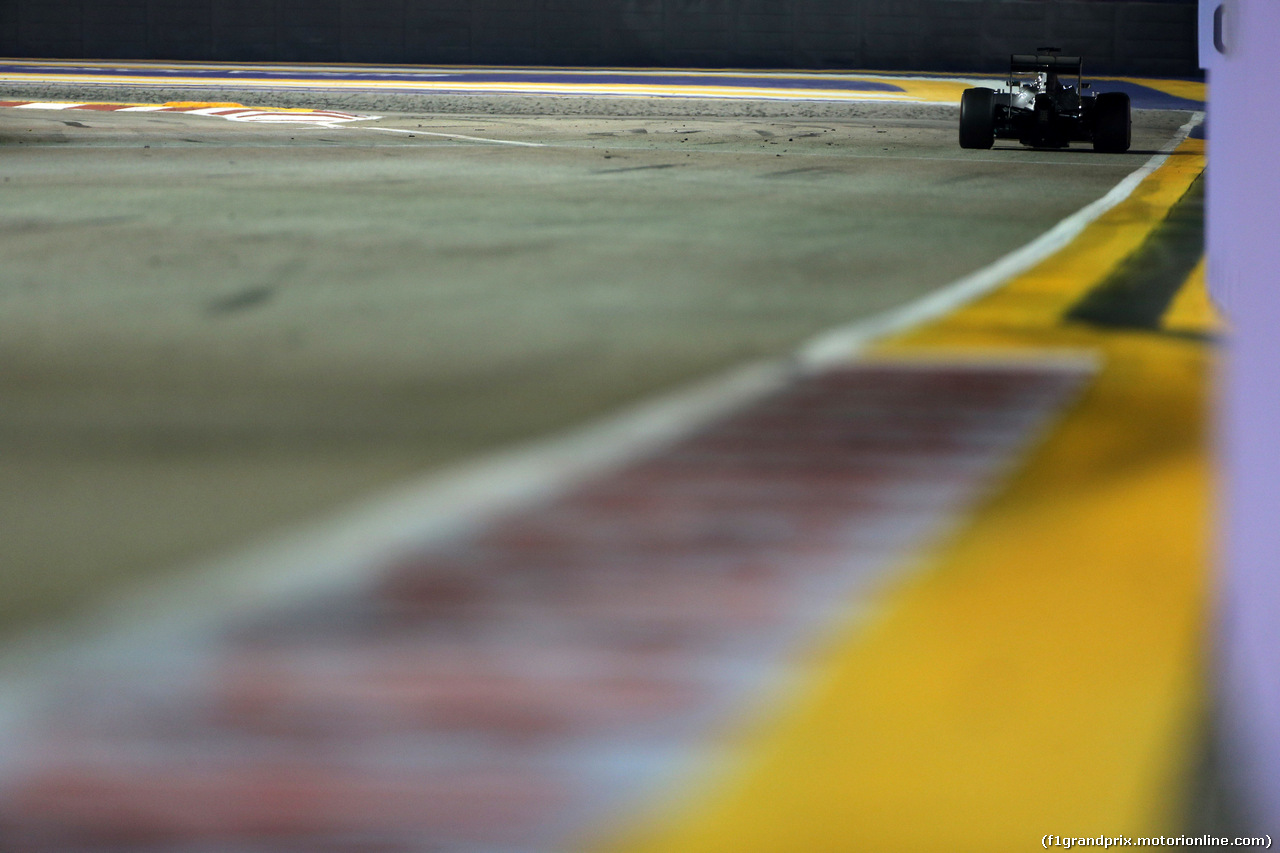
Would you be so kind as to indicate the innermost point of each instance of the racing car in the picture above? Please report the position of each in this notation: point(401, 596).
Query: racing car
point(1045, 106)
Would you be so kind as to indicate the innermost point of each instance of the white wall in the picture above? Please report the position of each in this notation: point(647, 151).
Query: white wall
point(1244, 271)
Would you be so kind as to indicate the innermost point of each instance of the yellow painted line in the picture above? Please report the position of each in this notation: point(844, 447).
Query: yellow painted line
point(1041, 672)
point(1192, 311)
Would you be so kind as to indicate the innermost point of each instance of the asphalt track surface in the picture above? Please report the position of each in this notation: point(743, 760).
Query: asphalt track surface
point(213, 328)
point(538, 671)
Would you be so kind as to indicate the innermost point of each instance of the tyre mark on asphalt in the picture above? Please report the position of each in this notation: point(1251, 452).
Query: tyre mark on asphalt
point(636, 168)
point(245, 299)
point(811, 171)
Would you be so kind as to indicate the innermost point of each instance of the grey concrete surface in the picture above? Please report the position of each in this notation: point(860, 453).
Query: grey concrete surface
point(210, 329)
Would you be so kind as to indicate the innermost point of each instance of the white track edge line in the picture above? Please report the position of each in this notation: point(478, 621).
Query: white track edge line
point(845, 342)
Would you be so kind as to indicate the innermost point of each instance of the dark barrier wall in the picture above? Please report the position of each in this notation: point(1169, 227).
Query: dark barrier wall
point(1151, 37)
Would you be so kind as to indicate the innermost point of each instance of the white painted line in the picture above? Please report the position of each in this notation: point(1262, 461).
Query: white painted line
point(844, 343)
point(450, 136)
point(48, 106)
point(142, 109)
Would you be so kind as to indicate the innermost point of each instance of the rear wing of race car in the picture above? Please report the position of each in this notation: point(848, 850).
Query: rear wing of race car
point(1031, 63)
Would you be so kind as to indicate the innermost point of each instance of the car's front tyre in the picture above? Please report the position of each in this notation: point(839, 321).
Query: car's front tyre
point(1112, 123)
point(977, 118)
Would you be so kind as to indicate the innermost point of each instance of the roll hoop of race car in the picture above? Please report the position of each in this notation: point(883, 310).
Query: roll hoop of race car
point(1045, 107)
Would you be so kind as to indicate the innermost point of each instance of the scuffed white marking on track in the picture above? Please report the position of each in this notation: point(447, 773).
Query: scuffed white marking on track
point(450, 136)
point(323, 118)
point(319, 118)
point(846, 342)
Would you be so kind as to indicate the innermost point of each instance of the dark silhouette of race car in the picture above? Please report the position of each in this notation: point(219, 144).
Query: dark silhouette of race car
point(1045, 106)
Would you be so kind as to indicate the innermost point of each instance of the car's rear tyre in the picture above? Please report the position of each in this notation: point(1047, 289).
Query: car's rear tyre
point(977, 118)
point(1112, 123)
